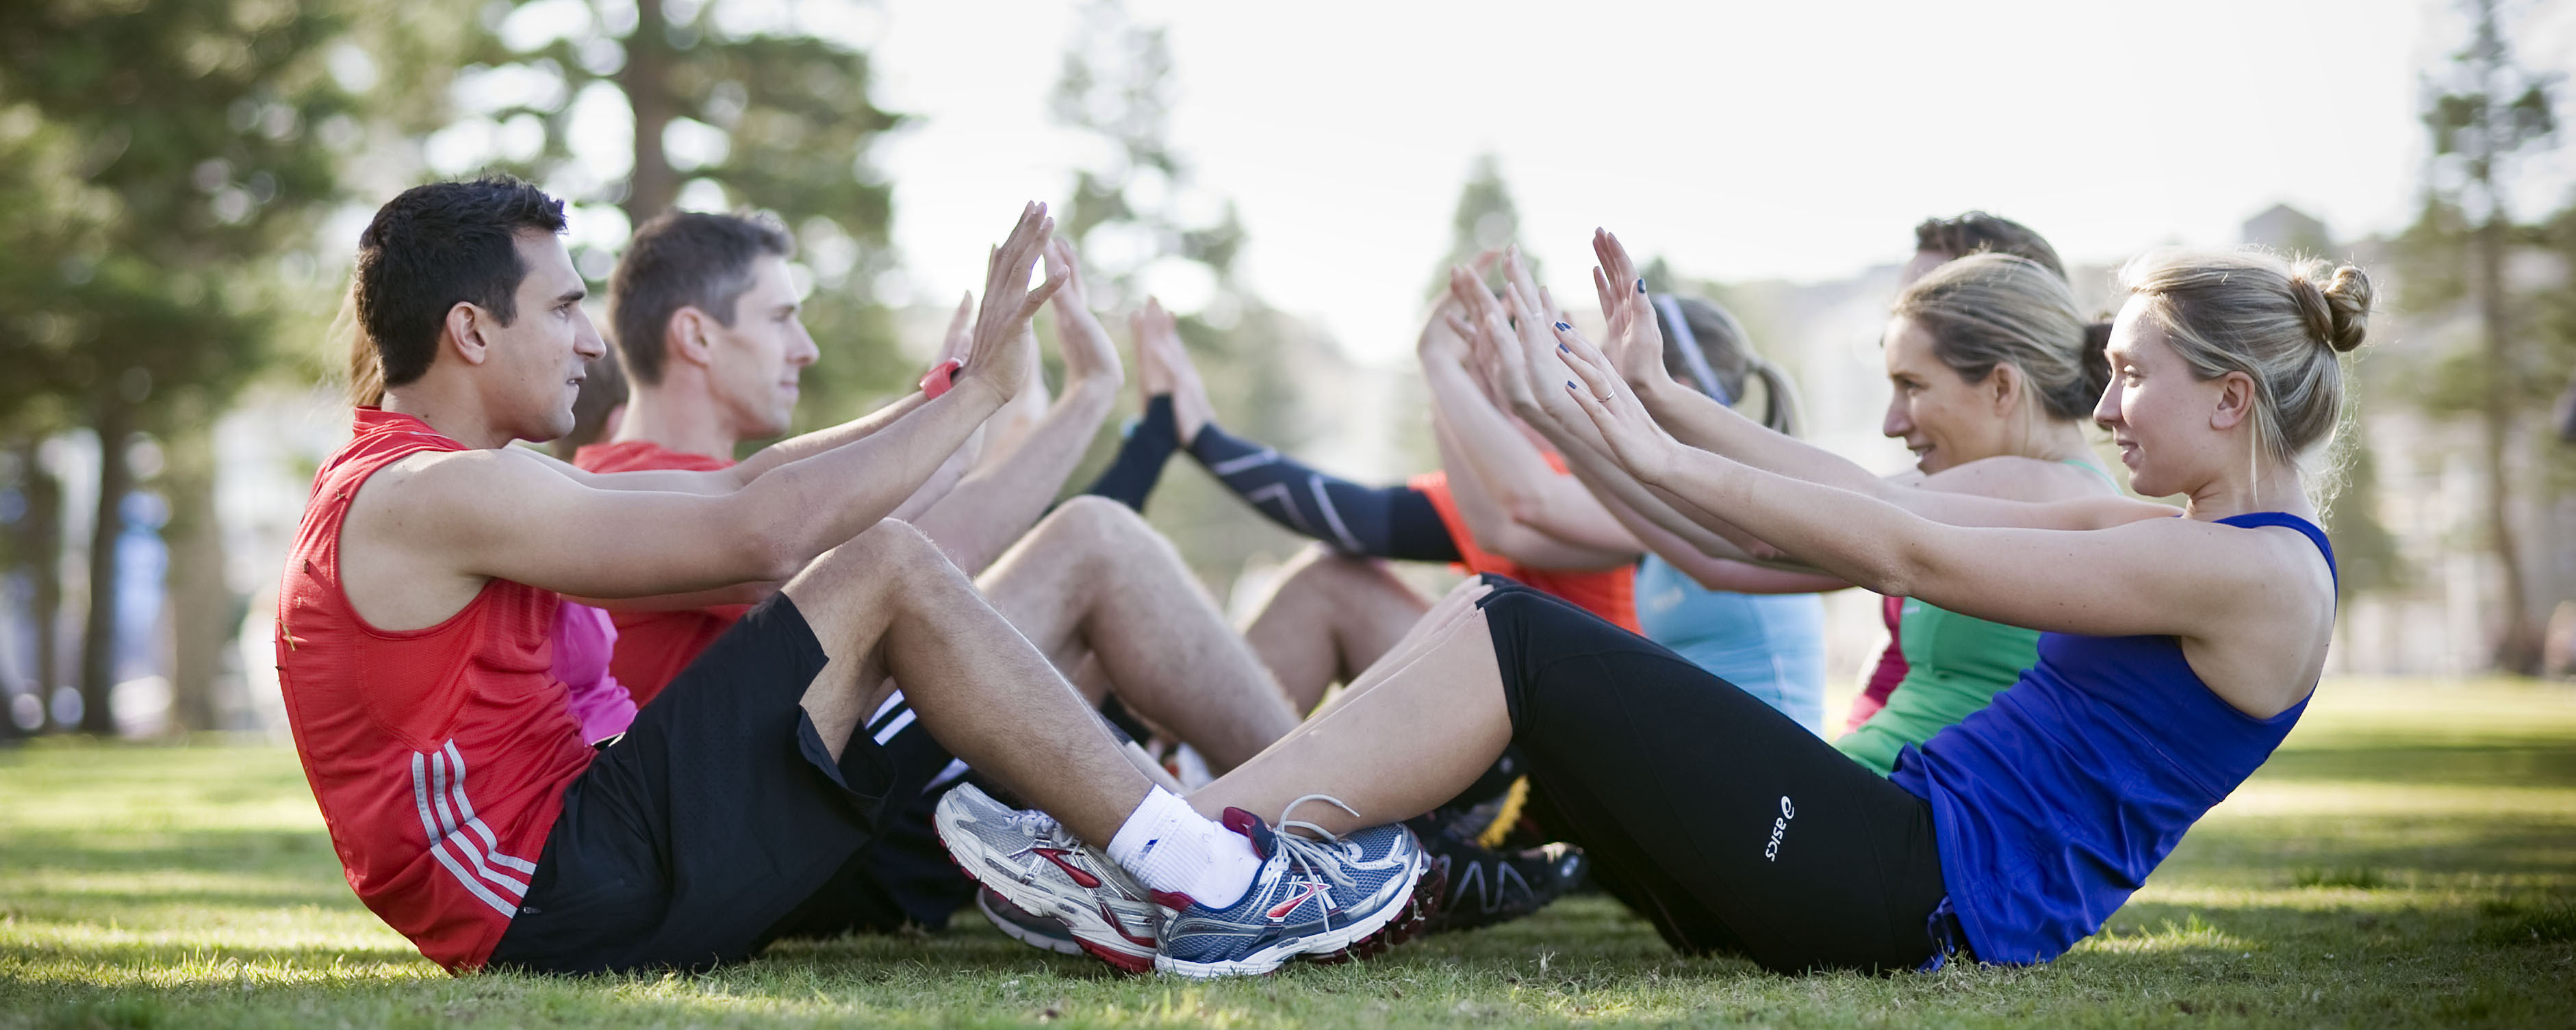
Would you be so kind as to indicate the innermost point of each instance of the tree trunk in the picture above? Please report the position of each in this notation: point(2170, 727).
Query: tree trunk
point(647, 82)
point(2518, 644)
point(204, 614)
point(115, 424)
point(38, 548)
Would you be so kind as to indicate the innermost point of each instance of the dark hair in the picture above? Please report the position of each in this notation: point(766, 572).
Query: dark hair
point(437, 246)
point(684, 259)
point(1977, 232)
point(1727, 357)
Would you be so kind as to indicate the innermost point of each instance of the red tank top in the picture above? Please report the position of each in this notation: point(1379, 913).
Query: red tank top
point(1608, 593)
point(439, 755)
point(652, 647)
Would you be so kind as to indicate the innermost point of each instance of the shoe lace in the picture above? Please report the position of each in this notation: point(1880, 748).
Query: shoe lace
point(1036, 824)
point(1324, 856)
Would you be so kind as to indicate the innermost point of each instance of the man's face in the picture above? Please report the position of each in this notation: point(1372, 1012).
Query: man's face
point(753, 364)
point(536, 360)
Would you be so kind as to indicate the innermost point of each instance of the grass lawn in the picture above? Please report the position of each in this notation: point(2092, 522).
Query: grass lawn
point(2409, 858)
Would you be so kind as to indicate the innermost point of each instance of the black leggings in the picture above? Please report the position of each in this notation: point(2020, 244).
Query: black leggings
point(1730, 827)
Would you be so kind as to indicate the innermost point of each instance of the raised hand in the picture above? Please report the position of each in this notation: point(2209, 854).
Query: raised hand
point(1632, 340)
point(1164, 361)
point(1000, 354)
point(1631, 435)
point(1494, 354)
point(1089, 354)
point(961, 333)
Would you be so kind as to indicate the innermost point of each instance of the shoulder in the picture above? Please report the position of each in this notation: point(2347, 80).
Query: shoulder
point(2012, 477)
point(439, 480)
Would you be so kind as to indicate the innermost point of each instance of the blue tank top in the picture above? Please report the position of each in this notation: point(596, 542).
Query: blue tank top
point(2053, 803)
point(1771, 645)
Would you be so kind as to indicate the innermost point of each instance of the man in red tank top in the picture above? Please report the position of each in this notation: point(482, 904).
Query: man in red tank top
point(416, 605)
point(708, 331)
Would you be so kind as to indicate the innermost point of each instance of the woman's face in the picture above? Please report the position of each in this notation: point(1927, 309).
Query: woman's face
point(1942, 417)
point(2160, 414)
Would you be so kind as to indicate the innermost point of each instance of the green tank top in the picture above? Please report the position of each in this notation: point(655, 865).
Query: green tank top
point(1954, 665)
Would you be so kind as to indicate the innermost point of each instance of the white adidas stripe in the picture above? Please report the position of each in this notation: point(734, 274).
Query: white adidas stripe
point(433, 791)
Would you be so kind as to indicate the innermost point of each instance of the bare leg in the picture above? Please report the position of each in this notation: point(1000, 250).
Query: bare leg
point(1410, 734)
point(1094, 578)
point(888, 604)
point(1330, 617)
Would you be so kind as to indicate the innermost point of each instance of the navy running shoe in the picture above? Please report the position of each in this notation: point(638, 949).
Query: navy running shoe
point(1332, 899)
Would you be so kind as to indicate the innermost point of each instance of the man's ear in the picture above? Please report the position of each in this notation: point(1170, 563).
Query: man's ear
point(2236, 400)
point(464, 333)
point(685, 337)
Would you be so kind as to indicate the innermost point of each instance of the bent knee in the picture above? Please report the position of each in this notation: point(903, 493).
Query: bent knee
point(891, 549)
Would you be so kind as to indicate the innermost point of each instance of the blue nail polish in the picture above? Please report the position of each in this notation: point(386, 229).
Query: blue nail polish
point(1565, 348)
point(1569, 384)
point(1563, 326)
point(1641, 286)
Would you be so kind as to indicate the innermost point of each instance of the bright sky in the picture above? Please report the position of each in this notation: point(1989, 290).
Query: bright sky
point(1739, 140)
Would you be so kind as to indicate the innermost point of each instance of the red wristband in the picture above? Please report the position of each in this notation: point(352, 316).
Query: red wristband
point(942, 376)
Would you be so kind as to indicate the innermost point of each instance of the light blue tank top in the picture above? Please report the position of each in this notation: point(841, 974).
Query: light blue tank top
point(2053, 804)
point(1770, 645)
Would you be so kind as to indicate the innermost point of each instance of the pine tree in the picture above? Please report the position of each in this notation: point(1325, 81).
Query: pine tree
point(152, 158)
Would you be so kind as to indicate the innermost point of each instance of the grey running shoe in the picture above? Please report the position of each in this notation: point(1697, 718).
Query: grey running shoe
point(1032, 862)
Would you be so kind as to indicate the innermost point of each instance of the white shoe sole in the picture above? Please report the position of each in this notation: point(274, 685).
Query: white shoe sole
point(1094, 932)
point(1330, 943)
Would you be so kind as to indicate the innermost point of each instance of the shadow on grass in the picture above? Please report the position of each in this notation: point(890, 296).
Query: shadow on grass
point(2498, 764)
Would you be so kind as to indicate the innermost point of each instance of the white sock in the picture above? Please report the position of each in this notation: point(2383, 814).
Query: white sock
point(1168, 846)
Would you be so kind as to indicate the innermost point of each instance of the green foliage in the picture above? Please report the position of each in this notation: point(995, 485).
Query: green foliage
point(2408, 858)
point(152, 159)
point(768, 117)
point(1485, 219)
point(1137, 206)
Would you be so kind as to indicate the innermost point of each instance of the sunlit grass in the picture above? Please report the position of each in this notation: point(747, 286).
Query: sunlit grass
point(2408, 858)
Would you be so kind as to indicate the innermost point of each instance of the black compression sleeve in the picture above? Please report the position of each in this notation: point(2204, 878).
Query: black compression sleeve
point(1130, 478)
point(1378, 522)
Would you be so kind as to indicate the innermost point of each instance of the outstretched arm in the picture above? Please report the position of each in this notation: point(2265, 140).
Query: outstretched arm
point(513, 515)
point(1002, 498)
point(1498, 533)
point(1534, 508)
point(2065, 566)
point(1381, 522)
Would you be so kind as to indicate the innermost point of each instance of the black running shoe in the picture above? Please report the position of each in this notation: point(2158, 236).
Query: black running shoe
point(1488, 887)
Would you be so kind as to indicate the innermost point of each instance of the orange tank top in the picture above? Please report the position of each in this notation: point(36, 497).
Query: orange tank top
point(652, 647)
point(439, 756)
point(1608, 593)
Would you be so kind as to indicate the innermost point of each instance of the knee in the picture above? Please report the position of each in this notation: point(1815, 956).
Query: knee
point(1100, 526)
point(893, 551)
point(1316, 564)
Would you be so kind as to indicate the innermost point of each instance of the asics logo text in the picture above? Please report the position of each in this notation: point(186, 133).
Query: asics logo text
point(1779, 829)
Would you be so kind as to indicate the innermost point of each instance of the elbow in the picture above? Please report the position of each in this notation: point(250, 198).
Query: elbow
point(768, 552)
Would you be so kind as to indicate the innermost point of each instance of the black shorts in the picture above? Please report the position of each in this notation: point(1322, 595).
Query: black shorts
point(715, 824)
point(1730, 827)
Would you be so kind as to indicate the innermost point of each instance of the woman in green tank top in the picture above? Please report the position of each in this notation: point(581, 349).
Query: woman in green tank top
point(1995, 377)
point(1954, 664)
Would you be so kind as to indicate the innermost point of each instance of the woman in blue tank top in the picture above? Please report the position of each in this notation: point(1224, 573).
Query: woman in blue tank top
point(2177, 652)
